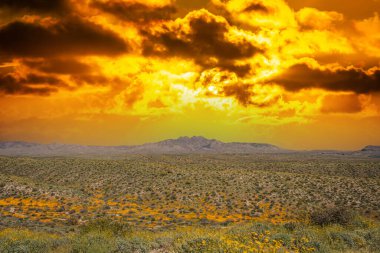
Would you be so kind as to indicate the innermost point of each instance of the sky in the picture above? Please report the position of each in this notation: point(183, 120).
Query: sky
point(297, 74)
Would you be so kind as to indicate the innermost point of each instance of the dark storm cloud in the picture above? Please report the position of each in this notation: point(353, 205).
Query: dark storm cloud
point(35, 6)
point(68, 37)
point(245, 96)
point(240, 70)
point(302, 76)
point(136, 12)
point(240, 92)
point(92, 79)
point(31, 84)
point(207, 38)
point(59, 66)
point(256, 7)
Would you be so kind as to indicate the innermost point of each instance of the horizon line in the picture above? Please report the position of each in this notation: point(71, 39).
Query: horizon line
point(189, 137)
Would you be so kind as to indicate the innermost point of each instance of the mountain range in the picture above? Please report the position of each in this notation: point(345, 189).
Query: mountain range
point(182, 145)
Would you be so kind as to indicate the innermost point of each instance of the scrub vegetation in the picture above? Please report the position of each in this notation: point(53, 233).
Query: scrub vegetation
point(190, 203)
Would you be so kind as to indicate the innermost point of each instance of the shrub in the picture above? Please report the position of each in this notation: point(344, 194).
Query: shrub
point(260, 228)
point(330, 216)
point(23, 245)
point(135, 245)
point(202, 245)
point(291, 226)
point(373, 239)
point(95, 243)
point(284, 238)
point(106, 225)
point(164, 242)
point(341, 240)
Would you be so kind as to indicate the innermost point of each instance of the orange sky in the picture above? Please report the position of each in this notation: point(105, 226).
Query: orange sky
point(298, 74)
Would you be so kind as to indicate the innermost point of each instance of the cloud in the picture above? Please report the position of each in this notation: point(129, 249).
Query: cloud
point(219, 58)
point(31, 84)
point(68, 37)
point(301, 76)
point(258, 96)
point(368, 40)
point(203, 37)
point(352, 9)
point(257, 14)
point(136, 12)
point(59, 66)
point(310, 18)
point(226, 84)
point(92, 79)
point(256, 7)
point(35, 6)
point(341, 103)
point(242, 93)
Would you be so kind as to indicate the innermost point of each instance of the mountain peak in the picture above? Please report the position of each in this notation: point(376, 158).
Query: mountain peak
point(194, 139)
point(187, 143)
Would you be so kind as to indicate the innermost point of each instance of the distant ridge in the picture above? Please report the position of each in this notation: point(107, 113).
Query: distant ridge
point(182, 145)
point(371, 149)
point(199, 144)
